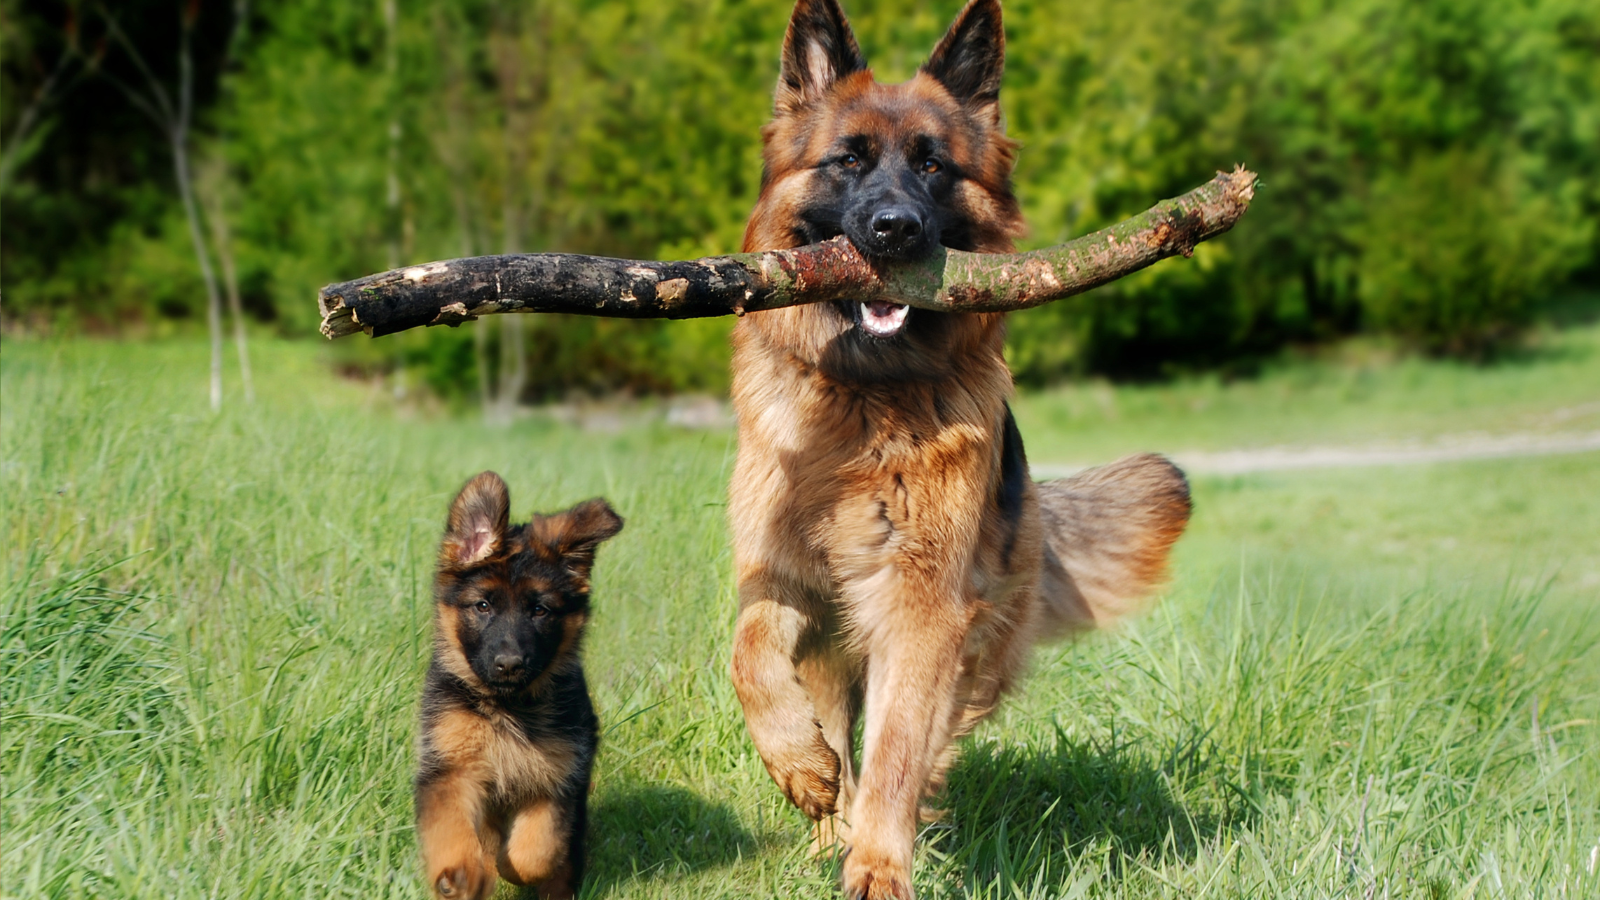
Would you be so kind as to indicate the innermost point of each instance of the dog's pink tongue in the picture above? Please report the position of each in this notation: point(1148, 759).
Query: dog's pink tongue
point(882, 318)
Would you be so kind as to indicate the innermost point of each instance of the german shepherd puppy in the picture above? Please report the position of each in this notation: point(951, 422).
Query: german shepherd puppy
point(895, 562)
point(508, 733)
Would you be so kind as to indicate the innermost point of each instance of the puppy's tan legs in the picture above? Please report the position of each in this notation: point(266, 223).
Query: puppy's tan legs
point(913, 662)
point(451, 830)
point(777, 710)
point(535, 851)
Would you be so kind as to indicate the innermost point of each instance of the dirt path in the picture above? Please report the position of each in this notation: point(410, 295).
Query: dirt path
point(1448, 448)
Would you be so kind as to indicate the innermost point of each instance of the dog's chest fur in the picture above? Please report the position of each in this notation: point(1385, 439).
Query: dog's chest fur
point(517, 754)
point(837, 479)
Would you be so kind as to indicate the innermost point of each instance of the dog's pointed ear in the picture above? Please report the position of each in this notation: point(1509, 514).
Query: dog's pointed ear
point(818, 49)
point(477, 526)
point(971, 58)
point(574, 535)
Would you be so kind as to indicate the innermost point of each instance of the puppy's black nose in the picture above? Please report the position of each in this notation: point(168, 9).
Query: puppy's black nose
point(897, 225)
point(506, 663)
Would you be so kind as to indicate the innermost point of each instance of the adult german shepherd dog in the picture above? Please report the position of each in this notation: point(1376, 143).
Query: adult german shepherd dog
point(895, 561)
point(508, 732)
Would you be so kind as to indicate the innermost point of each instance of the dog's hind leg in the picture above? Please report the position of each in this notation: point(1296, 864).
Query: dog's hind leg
point(833, 680)
point(782, 720)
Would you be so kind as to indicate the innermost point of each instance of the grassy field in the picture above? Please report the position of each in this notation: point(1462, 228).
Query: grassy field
point(1362, 683)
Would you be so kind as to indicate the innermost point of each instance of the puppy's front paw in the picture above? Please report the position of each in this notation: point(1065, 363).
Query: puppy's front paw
point(468, 879)
point(810, 780)
point(870, 875)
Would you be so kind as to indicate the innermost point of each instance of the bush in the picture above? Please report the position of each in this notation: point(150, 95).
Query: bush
point(1456, 254)
point(1409, 153)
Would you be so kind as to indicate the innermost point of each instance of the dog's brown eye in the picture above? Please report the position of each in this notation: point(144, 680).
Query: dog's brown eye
point(482, 606)
point(850, 161)
point(541, 610)
point(930, 166)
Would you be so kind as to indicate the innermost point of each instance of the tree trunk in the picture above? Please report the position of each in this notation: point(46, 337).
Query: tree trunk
point(508, 47)
point(214, 188)
point(391, 67)
point(174, 121)
point(180, 163)
point(459, 290)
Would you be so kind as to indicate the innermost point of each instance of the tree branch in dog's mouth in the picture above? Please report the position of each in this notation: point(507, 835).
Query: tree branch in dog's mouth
point(460, 290)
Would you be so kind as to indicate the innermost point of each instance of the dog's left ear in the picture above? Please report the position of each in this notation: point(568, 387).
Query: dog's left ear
point(972, 56)
point(574, 535)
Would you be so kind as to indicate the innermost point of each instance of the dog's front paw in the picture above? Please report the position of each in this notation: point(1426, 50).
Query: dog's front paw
point(810, 780)
point(870, 875)
point(468, 879)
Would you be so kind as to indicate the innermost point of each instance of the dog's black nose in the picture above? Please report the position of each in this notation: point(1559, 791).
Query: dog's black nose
point(506, 663)
point(897, 225)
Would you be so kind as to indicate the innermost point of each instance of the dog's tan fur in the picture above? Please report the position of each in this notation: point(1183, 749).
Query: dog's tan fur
point(882, 570)
point(506, 748)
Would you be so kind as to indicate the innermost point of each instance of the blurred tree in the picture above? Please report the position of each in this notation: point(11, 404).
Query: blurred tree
point(215, 186)
point(1335, 104)
point(94, 185)
point(172, 111)
point(1456, 251)
point(50, 81)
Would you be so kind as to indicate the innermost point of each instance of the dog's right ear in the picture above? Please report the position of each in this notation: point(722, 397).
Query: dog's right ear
point(818, 50)
point(477, 525)
point(971, 57)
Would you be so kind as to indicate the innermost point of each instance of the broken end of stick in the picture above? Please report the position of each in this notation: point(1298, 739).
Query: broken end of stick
point(338, 320)
point(1241, 183)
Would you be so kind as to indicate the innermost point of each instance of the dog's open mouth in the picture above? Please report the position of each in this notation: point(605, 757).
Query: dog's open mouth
point(507, 687)
point(883, 319)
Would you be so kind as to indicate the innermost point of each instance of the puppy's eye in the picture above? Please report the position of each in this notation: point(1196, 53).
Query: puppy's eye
point(931, 165)
point(482, 606)
point(850, 161)
point(541, 610)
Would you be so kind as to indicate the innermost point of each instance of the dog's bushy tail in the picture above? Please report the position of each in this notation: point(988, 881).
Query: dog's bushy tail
point(1108, 532)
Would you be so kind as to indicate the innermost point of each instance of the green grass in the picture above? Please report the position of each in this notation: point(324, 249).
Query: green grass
point(1365, 393)
point(1362, 683)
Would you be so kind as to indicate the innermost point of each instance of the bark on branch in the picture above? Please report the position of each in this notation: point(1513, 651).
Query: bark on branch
point(459, 290)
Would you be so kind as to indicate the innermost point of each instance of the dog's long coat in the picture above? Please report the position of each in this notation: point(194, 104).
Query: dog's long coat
point(508, 733)
point(895, 561)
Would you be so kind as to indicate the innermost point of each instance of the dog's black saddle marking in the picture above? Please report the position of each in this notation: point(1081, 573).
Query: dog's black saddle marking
point(1013, 481)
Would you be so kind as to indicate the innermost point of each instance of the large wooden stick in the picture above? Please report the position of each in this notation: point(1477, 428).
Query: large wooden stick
point(459, 290)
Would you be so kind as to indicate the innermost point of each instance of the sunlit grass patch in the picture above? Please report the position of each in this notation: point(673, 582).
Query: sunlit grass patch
point(212, 633)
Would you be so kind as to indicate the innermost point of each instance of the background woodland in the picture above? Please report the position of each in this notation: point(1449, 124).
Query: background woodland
point(1429, 168)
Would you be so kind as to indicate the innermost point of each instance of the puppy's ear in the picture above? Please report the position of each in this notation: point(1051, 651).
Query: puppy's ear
point(818, 50)
point(573, 535)
point(971, 58)
point(477, 526)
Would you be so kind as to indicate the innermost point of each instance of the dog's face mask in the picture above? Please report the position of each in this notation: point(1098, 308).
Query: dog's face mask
point(899, 169)
point(512, 600)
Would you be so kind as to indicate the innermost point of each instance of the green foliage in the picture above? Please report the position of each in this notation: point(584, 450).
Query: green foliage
point(1427, 167)
point(1342, 108)
point(1455, 257)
